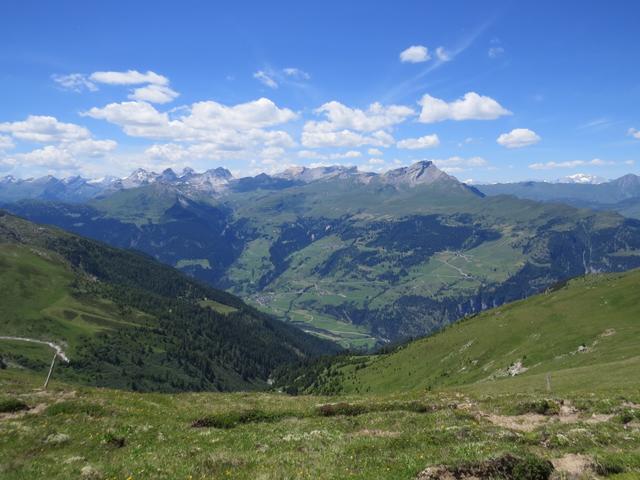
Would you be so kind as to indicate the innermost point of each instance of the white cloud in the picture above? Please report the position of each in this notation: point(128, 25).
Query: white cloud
point(314, 155)
point(518, 138)
point(273, 78)
point(203, 120)
point(296, 73)
point(5, 143)
point(470, 107)
point(64, 156)
point(76, 82)
point(353, 127)
point(345, 138)
point(495, 52)
point(154, 87)
point(130, 77)
point(376, 161)
point(375, 152)
point(442, 54)
point(44, 129)
point(596, 162)
point(212, 130)
point(265, 79)
point(634, 133)
point(376, 117)
point(427, 141)
point(415, 54)
point(154, 93)
point(460, 164)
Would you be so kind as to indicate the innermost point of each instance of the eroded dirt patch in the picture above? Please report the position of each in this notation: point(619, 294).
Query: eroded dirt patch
point(573, 465)
point(506, 466)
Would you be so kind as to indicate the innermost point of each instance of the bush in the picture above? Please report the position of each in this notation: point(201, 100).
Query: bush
point(532, 468)
point(12, 405)
point(542, 407)
point(232, 419)
point(343, 408)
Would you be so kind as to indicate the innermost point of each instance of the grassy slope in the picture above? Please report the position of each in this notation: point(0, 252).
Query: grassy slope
point(125, 435)
point(37, 302)
point(545, 332)
point(128, 321)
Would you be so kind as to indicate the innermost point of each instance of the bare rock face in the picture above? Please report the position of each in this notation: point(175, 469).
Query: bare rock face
point(308, 175)
point(420, 173)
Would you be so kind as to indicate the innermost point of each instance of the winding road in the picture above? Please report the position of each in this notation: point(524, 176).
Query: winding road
point(57, 348)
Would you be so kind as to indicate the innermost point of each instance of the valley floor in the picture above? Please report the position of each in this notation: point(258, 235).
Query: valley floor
point(72, 432)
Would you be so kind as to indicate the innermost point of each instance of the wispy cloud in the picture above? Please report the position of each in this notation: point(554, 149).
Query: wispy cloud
point(273, 78)
point(411, 85)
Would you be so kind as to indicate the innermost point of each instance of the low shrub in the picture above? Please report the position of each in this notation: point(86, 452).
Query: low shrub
point(229, 420)
point(542, 407)
point(532, 468)
point(75, 408)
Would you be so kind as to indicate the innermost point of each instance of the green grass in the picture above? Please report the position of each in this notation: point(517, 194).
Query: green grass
point(36, 302)
point(125, 435)
point(218, 307)
point(581, 336)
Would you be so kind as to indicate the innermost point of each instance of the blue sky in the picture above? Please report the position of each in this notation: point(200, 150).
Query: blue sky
point(491, 91)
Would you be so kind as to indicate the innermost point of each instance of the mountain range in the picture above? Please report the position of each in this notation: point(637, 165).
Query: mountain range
point(621, 195)
point(356, 257)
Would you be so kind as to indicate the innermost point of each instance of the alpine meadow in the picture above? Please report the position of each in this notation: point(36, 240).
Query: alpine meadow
point(298, 240)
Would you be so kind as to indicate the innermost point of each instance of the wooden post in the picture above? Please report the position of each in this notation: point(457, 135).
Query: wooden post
point(53, 362)
point(548, 382)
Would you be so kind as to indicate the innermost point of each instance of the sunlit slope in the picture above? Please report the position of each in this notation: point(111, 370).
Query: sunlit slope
point(586, 332)
point(128, 321)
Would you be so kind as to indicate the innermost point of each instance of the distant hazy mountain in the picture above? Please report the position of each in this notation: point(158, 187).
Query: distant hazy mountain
point(356, 257)
point(621, 195)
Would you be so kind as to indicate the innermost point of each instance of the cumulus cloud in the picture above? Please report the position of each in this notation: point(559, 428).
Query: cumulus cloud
point(353, 127)
point(596, 162)
point(427, 141)
point(154, 87)
point(5, 143)
point(375, 117)
point(518, 138)
point(634, 133)
point(470, 107)
point(130, 77)
point(217, 130)
point(415, 54)
point(314, 138)
point(375, 152)
point(63, 156)
point(44, 129)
